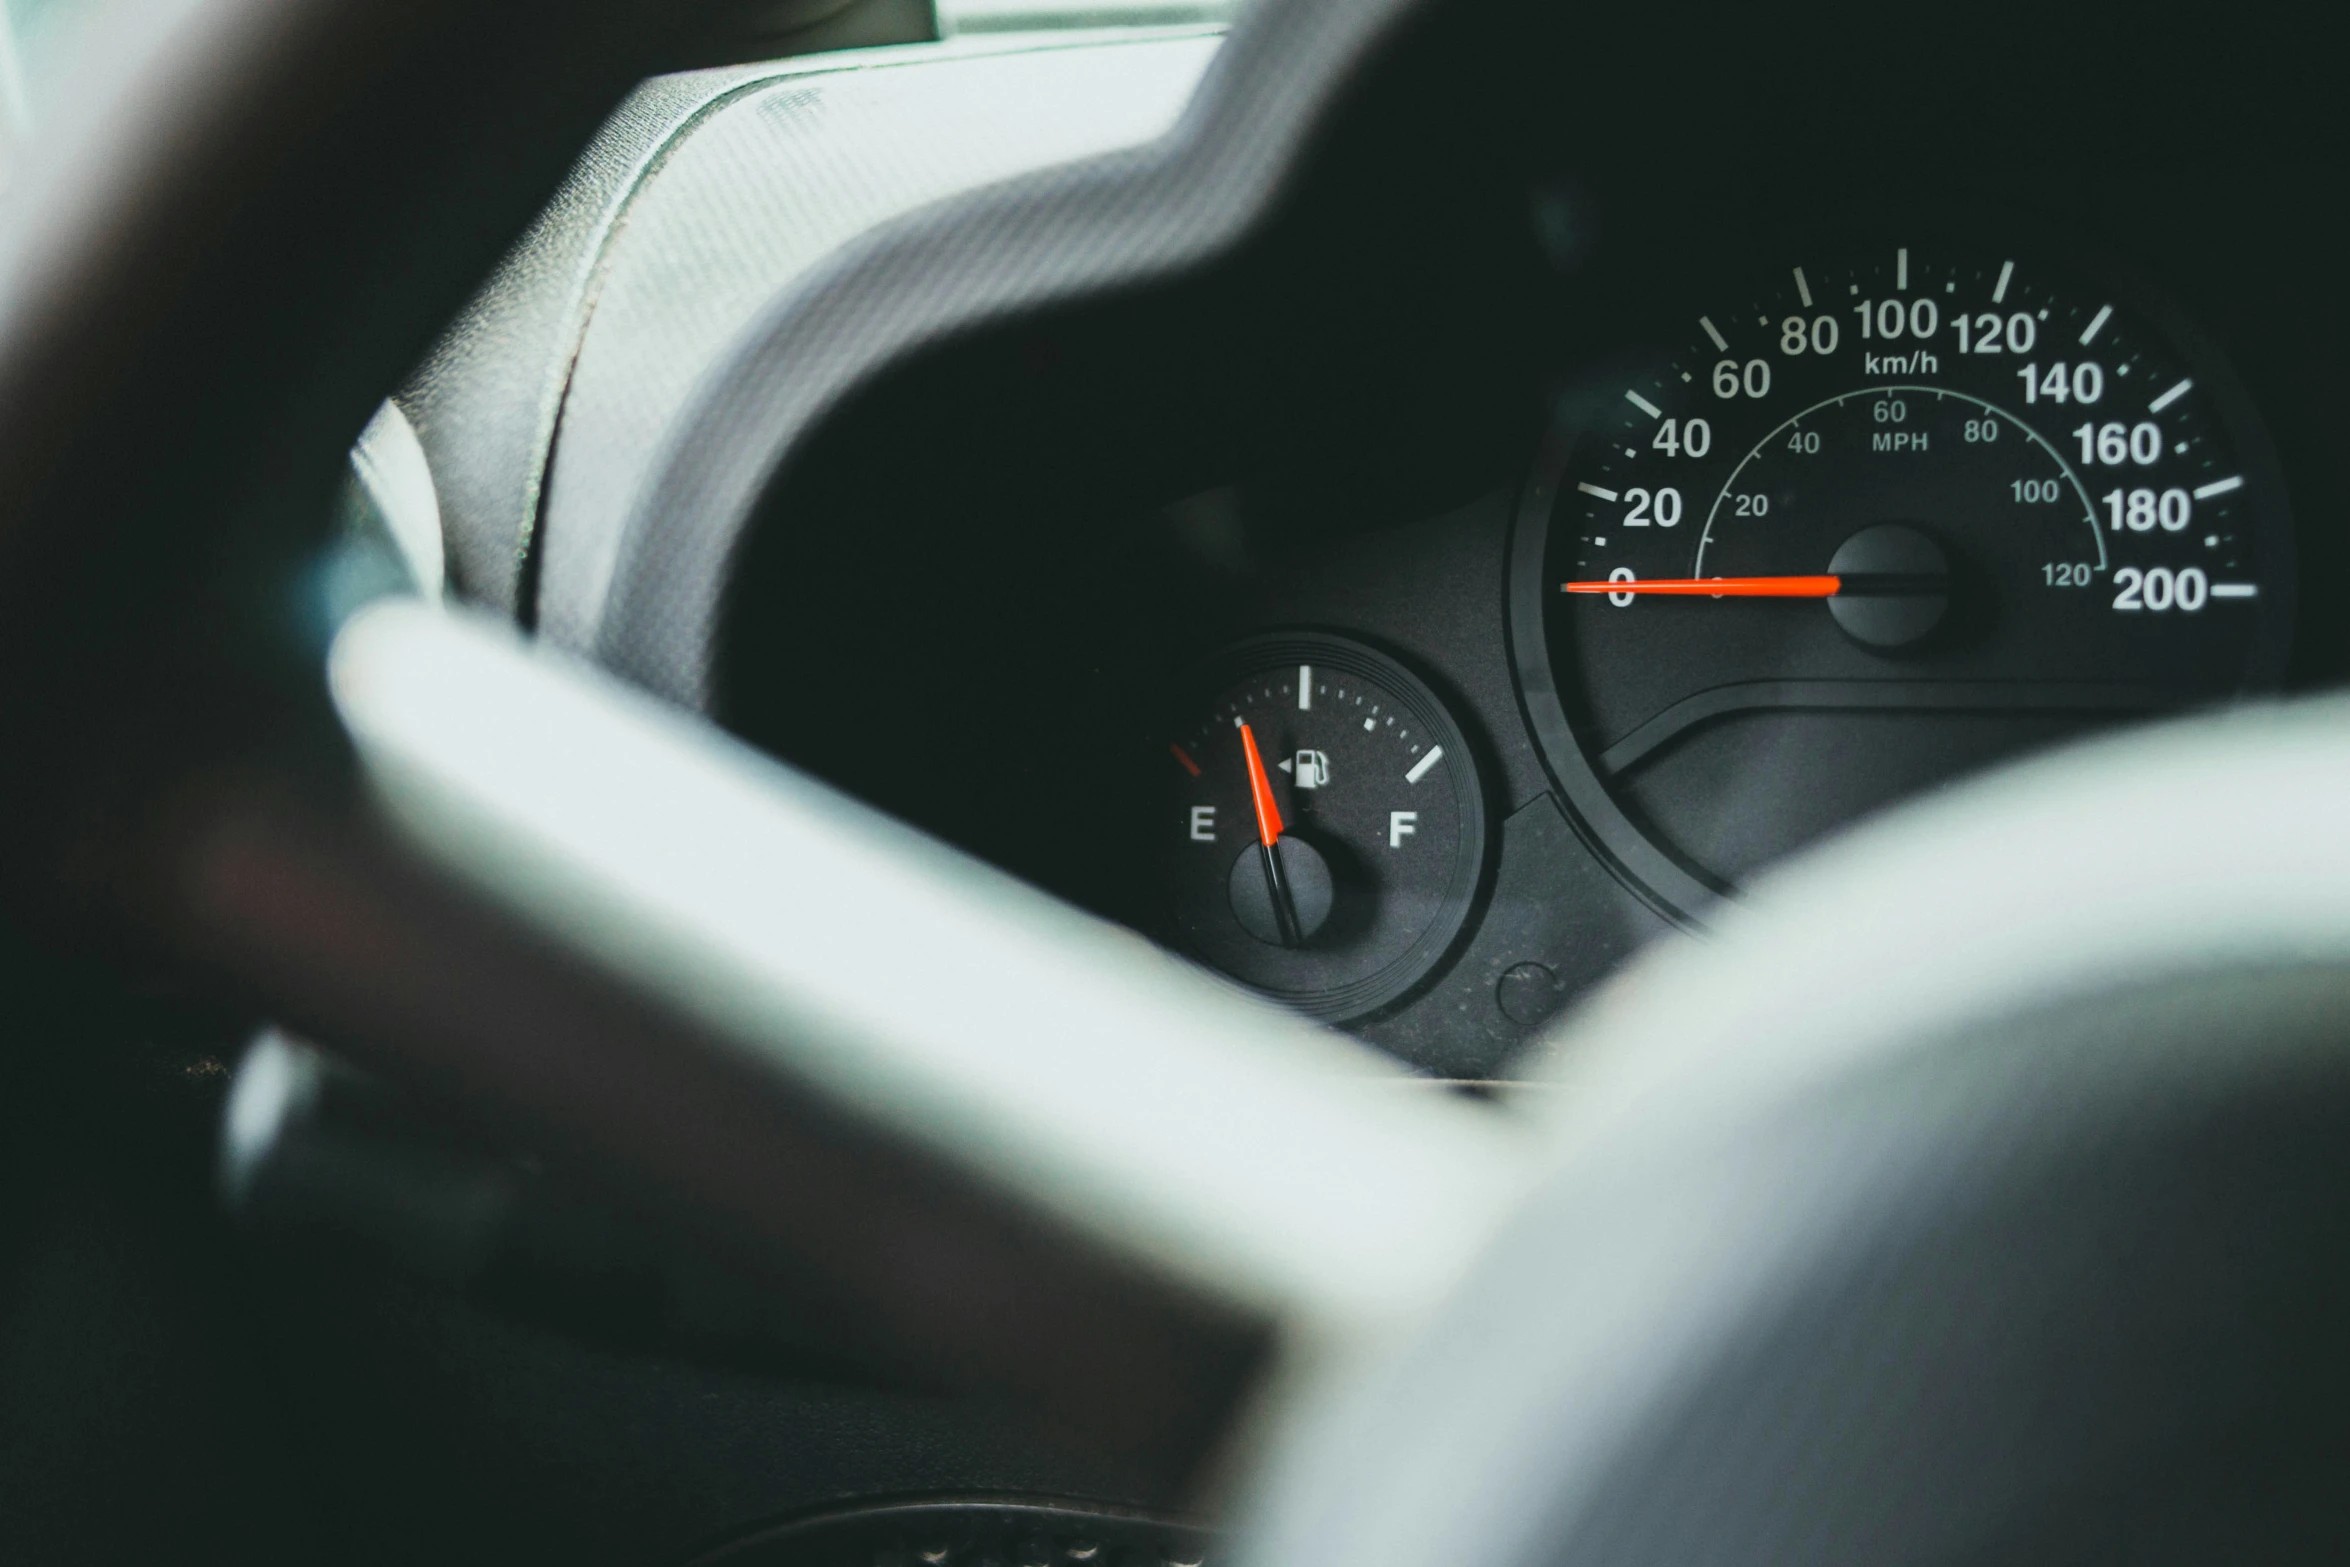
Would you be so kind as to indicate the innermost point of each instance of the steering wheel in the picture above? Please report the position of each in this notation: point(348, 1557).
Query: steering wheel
point(1919, 1215)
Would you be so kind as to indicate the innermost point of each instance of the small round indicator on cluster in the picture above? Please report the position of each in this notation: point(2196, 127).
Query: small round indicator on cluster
point(1324, 826)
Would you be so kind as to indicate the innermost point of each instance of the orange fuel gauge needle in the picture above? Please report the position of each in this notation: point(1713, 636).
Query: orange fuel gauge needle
point(1817, 587)
point(1260, 791)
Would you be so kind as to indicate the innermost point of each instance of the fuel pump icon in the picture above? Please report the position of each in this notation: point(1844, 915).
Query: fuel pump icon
point(1313, 769)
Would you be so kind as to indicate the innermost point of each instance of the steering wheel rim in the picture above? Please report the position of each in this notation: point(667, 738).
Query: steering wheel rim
point(216, 260)
point(1924, 1217)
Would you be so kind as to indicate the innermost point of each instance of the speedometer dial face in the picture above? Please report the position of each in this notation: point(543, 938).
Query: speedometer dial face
point(1873, 521)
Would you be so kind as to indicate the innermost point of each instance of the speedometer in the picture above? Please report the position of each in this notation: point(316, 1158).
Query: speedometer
point(1878, 519)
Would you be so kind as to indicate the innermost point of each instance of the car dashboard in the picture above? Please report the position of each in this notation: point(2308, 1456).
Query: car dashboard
point(1582, 462)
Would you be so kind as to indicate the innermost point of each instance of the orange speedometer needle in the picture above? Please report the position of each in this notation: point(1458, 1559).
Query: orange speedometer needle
point(1260, 793)
point(1819, 587)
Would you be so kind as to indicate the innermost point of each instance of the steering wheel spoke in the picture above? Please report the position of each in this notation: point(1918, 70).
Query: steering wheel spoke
point(1005, 1141)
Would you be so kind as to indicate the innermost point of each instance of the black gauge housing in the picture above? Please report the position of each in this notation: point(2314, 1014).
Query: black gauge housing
point(1381, 844)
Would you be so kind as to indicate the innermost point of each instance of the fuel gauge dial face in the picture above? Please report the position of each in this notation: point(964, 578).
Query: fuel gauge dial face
point(1324, 827)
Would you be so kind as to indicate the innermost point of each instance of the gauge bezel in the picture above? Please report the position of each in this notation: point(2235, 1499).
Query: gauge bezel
point(1432, 953)
point(1650, 868)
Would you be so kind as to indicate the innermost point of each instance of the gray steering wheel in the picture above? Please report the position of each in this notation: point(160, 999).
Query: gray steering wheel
point(1915, 1217)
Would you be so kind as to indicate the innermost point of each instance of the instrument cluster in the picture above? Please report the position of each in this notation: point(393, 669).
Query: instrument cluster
point(1410, 588)
point(1815, 535)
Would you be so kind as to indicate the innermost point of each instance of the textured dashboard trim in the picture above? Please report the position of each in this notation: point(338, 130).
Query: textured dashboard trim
point(490, 399)
point(1079, 231)
point(486, 400)
point(761, 193)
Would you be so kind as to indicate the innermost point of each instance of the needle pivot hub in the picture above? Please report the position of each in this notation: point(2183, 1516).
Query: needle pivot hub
point(1896, 586)
point(1305, 878)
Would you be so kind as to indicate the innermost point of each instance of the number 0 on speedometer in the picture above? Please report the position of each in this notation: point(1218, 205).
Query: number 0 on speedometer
point(1872, 521)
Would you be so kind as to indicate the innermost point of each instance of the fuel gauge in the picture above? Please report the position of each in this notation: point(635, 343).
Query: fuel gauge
point(1324, 825)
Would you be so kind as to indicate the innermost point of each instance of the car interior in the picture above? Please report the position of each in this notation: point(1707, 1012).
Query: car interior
point(1110, 783)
